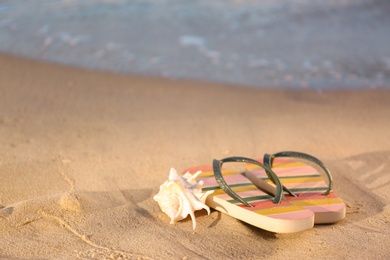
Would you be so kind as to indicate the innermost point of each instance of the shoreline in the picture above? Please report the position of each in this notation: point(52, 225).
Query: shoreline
point(295, 44)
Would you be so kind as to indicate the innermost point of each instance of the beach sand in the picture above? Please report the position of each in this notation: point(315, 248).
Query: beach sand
point(82, 153)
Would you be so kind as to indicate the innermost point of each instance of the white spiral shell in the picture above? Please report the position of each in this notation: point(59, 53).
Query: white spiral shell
point(180, 196)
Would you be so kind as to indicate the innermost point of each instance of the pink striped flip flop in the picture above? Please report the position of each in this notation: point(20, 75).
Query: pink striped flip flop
point(237, 196)
point(304, 185)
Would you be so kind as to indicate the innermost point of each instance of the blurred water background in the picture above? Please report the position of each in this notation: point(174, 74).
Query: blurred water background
point(312, 44)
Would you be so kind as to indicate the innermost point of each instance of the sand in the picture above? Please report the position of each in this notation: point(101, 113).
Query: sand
point(82, 153)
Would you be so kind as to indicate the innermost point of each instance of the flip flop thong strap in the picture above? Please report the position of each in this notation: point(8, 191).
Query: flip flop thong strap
point(268, 160)
point(217, 165)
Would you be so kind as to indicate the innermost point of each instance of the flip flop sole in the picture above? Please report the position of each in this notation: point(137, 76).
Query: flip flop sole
point(283, 217)
point(306, 182)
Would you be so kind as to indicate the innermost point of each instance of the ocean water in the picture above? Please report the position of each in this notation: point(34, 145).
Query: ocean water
point(310, 44)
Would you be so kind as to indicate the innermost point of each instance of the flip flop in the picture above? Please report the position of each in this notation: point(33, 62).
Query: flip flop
point(304, 185)
point(243, 200)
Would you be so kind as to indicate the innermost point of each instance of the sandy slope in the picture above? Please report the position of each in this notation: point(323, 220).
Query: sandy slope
point(82, 154)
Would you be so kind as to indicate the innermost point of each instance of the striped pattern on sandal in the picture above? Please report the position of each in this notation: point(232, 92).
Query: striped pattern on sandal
point(283, 217)
point(305, 181)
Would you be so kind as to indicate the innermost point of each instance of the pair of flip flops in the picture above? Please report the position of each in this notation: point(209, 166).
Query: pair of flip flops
point(281, 193)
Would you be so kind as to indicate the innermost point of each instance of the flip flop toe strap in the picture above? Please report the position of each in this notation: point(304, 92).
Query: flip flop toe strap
point(268, 160)
point(217, 165)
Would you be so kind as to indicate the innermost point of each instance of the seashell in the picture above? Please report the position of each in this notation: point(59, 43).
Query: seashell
point(180, 196)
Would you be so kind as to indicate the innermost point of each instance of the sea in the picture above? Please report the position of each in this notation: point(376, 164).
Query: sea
point(295, 44)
